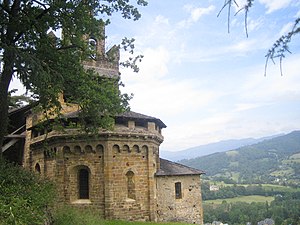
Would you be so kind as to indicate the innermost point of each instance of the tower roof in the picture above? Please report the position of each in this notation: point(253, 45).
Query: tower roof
point(126, 115)
point(168, 168)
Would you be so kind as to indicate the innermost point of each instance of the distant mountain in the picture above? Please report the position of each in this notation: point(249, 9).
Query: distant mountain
point(220, 146)
point(273, 160)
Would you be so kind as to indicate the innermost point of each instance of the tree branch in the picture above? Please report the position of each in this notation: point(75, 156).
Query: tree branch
point(41, 4)
point(32, 23)
point(5, 9)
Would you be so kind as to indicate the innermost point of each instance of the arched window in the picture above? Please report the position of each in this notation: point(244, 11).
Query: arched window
point(83, 184)
point(130, 185)
point(37, 168)
point(178, 193)
point(93, 47)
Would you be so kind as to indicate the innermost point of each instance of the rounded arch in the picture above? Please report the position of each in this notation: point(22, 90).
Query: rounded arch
point(82, 174)
point(99, 148)
point(145, 149)
point(126, 148)
point(130, 184)
point(136, 149)
point(77, 149)
point(93, 47)
point(37, 168)
point(88, 149)
point(66, 149)
point(116, 149)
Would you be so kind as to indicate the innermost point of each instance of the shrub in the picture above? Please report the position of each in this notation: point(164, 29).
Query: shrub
point(24, 196)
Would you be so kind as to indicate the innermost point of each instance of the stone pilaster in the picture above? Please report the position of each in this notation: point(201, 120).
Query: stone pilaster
point(108, 182)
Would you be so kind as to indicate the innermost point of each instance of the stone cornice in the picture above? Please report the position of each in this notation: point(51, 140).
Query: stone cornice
point(104, 135)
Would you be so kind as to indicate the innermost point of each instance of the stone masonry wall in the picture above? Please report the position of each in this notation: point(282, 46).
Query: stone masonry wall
point(129, 156)
point(188, 208)
point(108, 158)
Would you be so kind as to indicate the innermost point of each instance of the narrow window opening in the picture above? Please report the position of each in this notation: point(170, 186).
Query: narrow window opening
point(83, 178)
point(93, 48)
point(178, 193)
point(38, 168)
point(130, 185)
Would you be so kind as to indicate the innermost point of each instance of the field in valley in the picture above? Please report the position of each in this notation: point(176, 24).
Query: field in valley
point(247, 199)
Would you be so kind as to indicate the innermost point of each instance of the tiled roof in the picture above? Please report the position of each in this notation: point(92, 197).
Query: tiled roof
point(139, 116)
point(168, 168)
point(128, 115)
point(20, 109)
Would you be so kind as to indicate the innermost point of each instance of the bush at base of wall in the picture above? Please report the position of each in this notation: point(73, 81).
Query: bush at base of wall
point(24, 197)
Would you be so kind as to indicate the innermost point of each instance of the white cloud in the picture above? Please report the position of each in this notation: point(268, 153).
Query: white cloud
point(246, 106)
point(157, 91)
point(195, 14)
point(286, 28)
point(243, 46)
point(251, 113)
point(273, 5)
point(161, 20)
point(274, 87)
point(254, 24)
point(233, 102)
point(297, 14)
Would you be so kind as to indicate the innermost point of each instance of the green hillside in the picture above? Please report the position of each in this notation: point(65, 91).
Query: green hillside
point(270, 161)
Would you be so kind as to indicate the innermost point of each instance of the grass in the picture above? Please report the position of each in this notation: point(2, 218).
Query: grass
point(71, 216)
point(232, 153)
point(275, 187)
point(283, 172)
point(295, 156)
point(247, 199)
point(268, 187)
point(118, 222)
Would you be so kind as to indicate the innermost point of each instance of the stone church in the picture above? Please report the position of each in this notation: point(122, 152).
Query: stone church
point(118, 173)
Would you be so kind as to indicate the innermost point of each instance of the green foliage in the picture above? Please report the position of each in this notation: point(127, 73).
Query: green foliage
point(24, 197)
point(283, 210)
point(237, 190)
point(49, 65)
point(247, 199)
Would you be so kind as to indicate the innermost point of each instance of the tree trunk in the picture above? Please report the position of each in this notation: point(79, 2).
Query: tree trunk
point(8, 60)
point(5, 78)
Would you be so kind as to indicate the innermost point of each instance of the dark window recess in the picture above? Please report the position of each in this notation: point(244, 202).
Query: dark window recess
point(38, 168)
point(178, 193)
point(130, 185)
point(83, 184)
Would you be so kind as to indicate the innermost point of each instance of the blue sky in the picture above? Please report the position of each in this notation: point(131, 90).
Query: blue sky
point(207, 85)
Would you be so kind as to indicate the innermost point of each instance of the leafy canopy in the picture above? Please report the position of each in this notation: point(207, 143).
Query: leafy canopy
point(47, 65)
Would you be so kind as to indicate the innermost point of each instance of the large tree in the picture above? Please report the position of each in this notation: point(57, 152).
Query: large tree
point(47, 65)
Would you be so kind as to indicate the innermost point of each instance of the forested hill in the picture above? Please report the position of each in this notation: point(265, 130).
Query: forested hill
point(272, 161)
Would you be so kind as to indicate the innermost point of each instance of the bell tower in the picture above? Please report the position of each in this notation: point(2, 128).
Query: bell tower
point(105, 63)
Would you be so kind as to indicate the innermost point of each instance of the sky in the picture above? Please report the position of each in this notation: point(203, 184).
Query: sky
point(207, 84)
